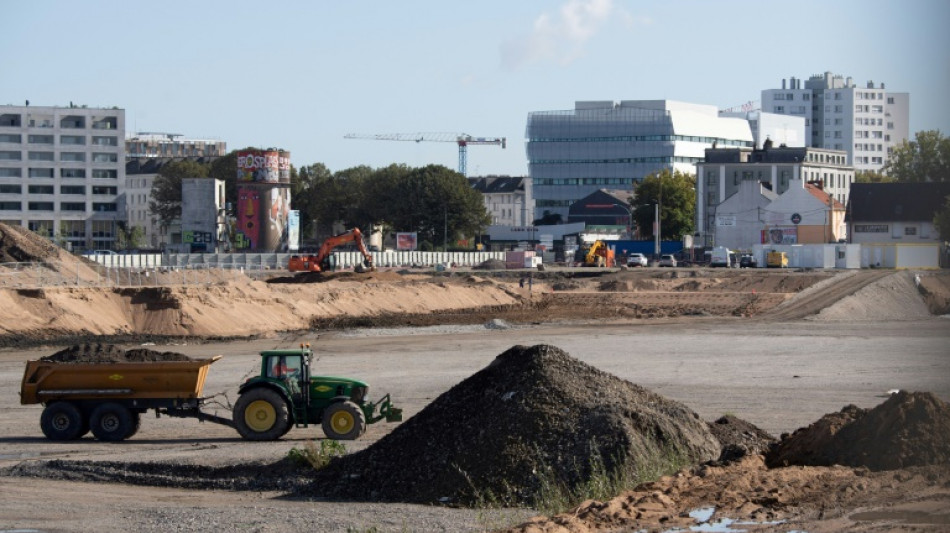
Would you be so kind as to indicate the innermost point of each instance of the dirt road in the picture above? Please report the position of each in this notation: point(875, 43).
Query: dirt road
point(779, 376)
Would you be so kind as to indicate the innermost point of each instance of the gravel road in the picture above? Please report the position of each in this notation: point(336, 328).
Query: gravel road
point(777, 375)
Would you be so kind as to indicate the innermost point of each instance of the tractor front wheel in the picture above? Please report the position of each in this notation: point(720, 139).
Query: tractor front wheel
point(261, 414)
point(344, 421)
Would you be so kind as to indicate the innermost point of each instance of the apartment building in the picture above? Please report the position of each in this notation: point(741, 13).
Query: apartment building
point(507, 199)
point(865, 122)
point(62, 172)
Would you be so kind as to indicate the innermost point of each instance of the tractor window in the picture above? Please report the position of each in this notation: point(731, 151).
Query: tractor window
point(283, 367)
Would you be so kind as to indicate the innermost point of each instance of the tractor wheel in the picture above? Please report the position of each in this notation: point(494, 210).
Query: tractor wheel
point(111, 422)
point(261, 414)
point(344, 421)
point(62, 421)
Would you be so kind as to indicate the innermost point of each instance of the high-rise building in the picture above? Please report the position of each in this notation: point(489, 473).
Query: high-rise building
point(146, 144)
point(614, 145)
point(62, 172)
point(866, 122)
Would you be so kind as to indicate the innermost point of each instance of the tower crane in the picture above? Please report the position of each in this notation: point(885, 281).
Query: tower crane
point(462, 139)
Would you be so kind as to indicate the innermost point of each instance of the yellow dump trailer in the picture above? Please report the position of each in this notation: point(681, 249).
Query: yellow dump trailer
point(109, 398)
point(776, 260)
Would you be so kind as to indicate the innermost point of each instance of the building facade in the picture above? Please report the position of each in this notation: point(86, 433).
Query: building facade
point(895, 213)
point(155, 145)
point(865, 122)
point(507, 199)
point(62, 172)
point(614, 145)
point(724, 171)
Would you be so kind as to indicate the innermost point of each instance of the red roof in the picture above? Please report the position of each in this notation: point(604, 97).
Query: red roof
point(817, 192)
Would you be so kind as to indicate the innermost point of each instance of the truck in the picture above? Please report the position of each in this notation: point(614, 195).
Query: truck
point(720, 257)
point(775, 259)
point(108, 399)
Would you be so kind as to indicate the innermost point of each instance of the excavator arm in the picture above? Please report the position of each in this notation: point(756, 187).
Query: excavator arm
point(319, 261)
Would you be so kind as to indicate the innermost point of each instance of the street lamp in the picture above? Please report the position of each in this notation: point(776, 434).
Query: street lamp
point(629, 219)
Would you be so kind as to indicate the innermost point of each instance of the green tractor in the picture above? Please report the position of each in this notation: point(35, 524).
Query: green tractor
point(285, 395)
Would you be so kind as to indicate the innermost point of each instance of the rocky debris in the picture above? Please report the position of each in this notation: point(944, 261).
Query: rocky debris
point(533, 414)
point(110, 353)
point(739, 438)
point(908, 429)
point(20, 245)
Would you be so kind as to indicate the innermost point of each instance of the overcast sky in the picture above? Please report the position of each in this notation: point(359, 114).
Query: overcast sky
point(301, 75)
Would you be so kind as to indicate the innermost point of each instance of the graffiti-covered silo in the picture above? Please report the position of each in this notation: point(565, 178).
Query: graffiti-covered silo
point(263, 203)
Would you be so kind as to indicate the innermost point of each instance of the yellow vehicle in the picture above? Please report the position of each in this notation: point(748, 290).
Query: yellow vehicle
point(599, 255)
point(776, 260)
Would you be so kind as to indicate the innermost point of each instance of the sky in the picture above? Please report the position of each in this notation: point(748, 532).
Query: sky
point(301, 75)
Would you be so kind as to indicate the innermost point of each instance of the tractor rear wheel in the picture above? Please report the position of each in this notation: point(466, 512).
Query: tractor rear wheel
point(111, 422)
point(261, 414)
point(62, 421)
point(344, 421)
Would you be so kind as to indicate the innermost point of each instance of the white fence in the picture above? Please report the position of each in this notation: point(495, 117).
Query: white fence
point(278, 261)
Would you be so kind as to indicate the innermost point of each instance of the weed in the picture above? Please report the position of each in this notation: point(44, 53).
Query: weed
point(316, 457)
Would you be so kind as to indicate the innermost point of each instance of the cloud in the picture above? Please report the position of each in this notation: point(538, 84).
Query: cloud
point(559, 37)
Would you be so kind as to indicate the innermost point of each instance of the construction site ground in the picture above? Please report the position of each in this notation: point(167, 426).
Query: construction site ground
point(777, 349)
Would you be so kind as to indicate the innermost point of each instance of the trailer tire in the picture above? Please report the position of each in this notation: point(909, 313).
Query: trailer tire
point(261, 414)
point(136, 424)
point(111, 422)
point(62, 421)
point(344, 421)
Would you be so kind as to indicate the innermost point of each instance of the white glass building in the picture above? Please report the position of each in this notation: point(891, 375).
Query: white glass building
point(613, 145)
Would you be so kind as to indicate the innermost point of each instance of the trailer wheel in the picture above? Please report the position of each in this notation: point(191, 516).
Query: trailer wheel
point(344, 421)
point(261, 414)
point(62, 421)
point(136, 424)
point(111, 422)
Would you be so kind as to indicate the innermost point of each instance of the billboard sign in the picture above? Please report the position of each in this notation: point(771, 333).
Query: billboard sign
point(406, 241)
point(293, 230)
point(780, 235)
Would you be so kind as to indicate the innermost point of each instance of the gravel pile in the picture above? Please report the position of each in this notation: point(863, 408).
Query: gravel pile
point(534, 413)
point(740, 438)
point(908, 429)
point(110, 353)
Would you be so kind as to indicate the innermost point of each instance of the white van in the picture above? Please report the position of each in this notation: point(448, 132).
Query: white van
point(720, 257)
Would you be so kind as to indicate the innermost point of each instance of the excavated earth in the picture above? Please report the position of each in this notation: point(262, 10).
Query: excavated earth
point(536, 412)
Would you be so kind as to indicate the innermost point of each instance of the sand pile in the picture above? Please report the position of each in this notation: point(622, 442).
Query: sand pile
point(892, 298)
point(908, 429)
point(20, 245)
point(535, 413)
point(110, 353)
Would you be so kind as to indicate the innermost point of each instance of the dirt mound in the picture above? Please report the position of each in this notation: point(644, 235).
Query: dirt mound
point(740, 438)
point(534, 415)
point(908, 429)
point(491, 264)
point(110, 353)
point(20, 245)
point(894, 297)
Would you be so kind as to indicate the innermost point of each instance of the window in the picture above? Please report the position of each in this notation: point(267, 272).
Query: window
point(103, 207)
point(105, 141)
point(104, 173)
point(806, 97)
point(102, 189)
point(10, 138)
point(107, 123)
point(72, 156)
point(839, 109)
point(40, 206)
point(779, 109)
point(73, 122)
point(72, 206)
point(72, 173)
point(910, 230)
point(40, 189)
point(10, 173)
point(40, 139)
point(890, 125)
point(10, 155)
point(41, 173)
point(890, 99)
point(10, 189)
point(11, 206)
point(100, 157)
point(72, 189)
point(779, 96)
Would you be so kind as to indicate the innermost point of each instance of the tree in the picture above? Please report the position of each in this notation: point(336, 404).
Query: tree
point(676, 195)
point(129, 237)
point(927, 158)
point(872, 176)
point(942, 221)
point(166, 190)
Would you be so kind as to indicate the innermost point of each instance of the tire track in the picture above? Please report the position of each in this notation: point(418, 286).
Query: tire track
point(811, 302)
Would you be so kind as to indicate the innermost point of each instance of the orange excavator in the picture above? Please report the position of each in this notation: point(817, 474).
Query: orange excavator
point(320, 261)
